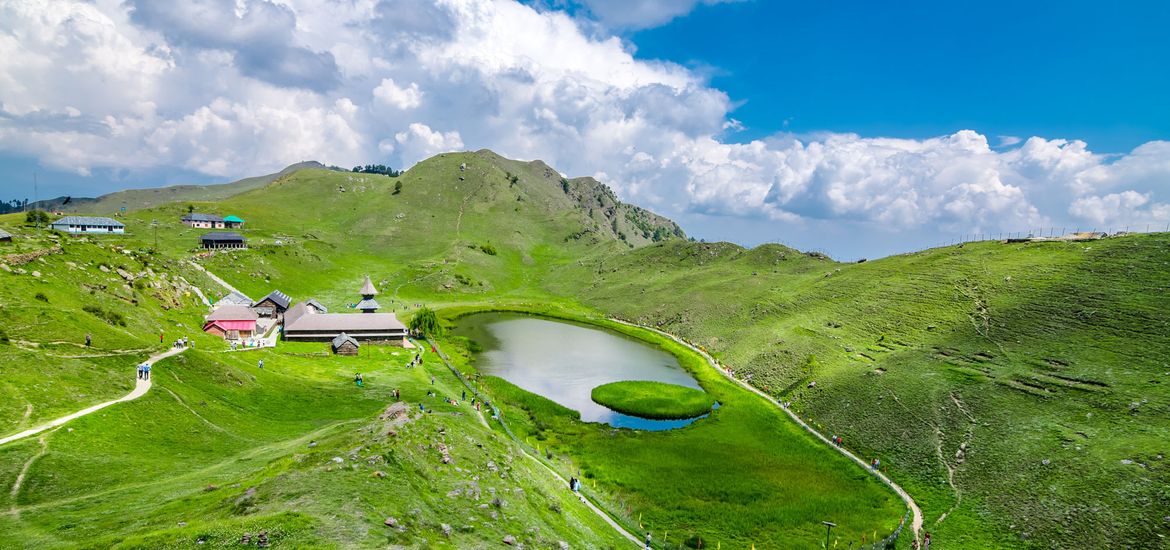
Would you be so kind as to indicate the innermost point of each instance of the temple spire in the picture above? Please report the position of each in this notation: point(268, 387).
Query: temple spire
point(368, 304)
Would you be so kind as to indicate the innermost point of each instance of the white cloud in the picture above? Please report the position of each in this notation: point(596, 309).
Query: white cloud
point(640, 14)
point(235, 88)
point(402, 98)
point(419, 141)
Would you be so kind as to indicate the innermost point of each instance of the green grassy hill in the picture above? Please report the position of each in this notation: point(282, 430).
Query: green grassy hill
point(1017, 391)
point(137, 199)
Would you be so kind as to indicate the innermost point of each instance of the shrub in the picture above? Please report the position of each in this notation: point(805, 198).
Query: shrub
point(397, 187)
point(36, 217)
point(112, 317)
point(41, 296)
point(488, 249)
point(426, 322)
point(3, 338)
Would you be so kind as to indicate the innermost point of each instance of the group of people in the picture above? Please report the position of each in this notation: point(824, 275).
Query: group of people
point(415, 362)
point(248, 343)
point(182, 343)
point(144, 371)
point(359, 380)
point(925, 542)
point(574, 485)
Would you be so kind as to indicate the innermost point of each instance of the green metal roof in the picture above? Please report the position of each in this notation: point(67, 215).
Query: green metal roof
point(233, 219)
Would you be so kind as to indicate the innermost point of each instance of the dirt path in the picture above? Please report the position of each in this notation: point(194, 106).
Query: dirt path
point(214, 277)
point(140, 389)
point(604, 516)
point(916, 512)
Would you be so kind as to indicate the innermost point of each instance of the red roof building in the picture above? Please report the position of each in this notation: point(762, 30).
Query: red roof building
point(231, 322)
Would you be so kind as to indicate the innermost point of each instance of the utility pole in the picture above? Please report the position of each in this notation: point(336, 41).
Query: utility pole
point(36, 217)
point(154, 224)
point(828, 529)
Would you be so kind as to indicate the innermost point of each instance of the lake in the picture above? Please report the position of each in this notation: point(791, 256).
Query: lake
point(564, 361)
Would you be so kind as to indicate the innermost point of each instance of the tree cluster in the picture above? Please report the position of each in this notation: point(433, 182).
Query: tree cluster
point(377, 169)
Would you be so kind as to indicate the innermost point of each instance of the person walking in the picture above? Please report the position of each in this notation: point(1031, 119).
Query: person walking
point(139, 373)
point(88, 340)
point(146, 372)
point(648, 540)
point(161, 336)
point(260, 364)
point(432, 380)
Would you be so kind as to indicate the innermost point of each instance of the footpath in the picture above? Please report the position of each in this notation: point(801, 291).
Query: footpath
point(916, 512)
point(524, 449)
point(140, 388)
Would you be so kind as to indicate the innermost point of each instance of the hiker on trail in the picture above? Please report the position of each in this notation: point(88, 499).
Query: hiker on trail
point(421, 407)
point(146, 372)
point(432, 380)
point(647, 540)
point(572, 483)
point(88, 340)
point(926, 541)
point(139, 375)
point(161, 337)
point(395, 393)
point(260, 364)
point(464, 397)
point(433, 350)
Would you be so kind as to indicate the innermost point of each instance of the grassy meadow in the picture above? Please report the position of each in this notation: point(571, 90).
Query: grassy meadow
point(656, 400)
point(1016, 391)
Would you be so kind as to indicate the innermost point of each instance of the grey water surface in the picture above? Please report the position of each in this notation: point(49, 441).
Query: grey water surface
point(564, 361)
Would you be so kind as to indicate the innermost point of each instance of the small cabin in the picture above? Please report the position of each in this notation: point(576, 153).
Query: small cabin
point(220, 240)
point(233, 222)
point(87, 225)
point(231, 322)
point(202, 221)
point(273, 305)
point(344, 344)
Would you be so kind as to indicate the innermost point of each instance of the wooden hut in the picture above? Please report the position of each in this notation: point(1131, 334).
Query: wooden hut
point(223, 239)
point(344, 344)
point(273, 305)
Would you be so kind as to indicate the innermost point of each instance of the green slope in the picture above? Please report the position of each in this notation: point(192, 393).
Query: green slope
point(1045, 363)
point(1017, 391)
point(137, 199)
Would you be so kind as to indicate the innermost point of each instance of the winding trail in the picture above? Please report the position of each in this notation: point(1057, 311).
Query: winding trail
point(584, 499)
point(140, 389)
point(916, 522)
point(213, 276)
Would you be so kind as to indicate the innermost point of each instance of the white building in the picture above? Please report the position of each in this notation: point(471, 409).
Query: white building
point(88, 225)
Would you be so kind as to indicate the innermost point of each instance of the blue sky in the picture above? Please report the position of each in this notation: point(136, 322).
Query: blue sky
point(857, 128)
point(1088, 70)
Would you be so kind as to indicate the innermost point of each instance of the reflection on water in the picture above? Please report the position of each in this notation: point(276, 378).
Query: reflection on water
point(565, 361)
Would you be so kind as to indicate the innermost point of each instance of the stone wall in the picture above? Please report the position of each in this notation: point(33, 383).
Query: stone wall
point(21, 259)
